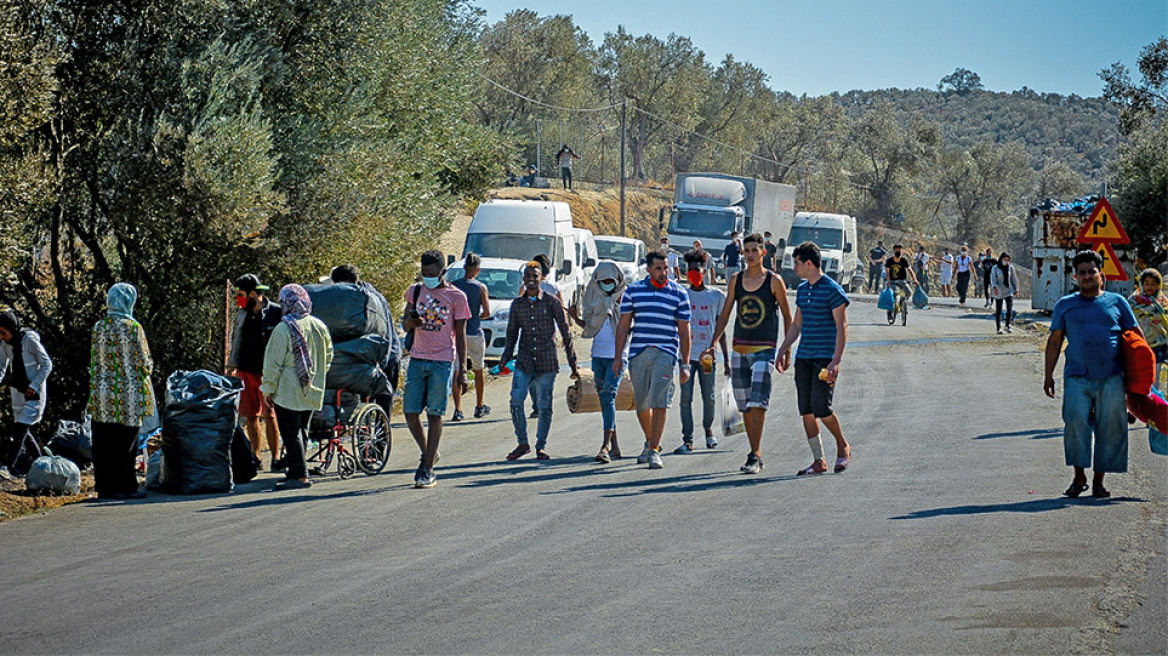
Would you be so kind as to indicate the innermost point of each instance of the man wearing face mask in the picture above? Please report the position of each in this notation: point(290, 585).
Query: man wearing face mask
point(705, 304)
point(964, 269)
point(255, 320)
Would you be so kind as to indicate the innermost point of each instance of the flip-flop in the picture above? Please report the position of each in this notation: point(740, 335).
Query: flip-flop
point(810, 470)
point(841, 464)
point(603, 457)
point(1075, 490)
point(542, 455)
point(518, 453)
point(1100, 492)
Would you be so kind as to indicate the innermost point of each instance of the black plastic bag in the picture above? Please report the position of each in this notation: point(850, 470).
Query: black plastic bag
point(355, 366)
point(73, 441)
point(348, 310)
point(198, 427)
point(244, 464)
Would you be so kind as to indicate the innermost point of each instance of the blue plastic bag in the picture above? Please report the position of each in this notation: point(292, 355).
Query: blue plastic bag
point(885, 301)
point(920, 298)
point(1158, 441)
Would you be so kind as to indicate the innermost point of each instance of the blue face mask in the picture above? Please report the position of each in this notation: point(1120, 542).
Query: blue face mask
point(607, 289)
point(431, 283)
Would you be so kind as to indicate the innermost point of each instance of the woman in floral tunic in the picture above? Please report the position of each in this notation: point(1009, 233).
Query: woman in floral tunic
point(120, 394)
point(1150, 306)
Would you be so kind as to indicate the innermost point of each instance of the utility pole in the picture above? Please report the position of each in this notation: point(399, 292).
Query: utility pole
point(624, 118)
point(538, 139)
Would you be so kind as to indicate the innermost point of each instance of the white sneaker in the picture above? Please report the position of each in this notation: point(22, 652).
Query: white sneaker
point(655, 459)
point(1009, 329)
point(644, 457)
point(999, 331)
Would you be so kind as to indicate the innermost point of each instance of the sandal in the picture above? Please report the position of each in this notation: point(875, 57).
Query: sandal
point(518, 453)
point(1075, 490)
point(1099, 492)
point(542, 455)
point(603, 457)
point(814, 469)
point(841, 464)
point(615, 452)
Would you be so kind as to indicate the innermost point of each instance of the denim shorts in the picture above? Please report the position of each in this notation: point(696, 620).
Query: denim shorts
point(427, 387)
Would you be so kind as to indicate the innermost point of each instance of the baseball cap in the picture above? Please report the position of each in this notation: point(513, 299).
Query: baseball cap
point(250, 282)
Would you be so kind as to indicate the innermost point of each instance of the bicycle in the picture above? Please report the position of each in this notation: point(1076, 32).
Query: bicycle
point(900, 303)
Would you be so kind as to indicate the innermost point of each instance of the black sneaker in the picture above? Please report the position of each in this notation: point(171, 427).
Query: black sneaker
point(278, 465)
point(457, 416)
point(534, 414)
point(482, 411)
point(753, 464)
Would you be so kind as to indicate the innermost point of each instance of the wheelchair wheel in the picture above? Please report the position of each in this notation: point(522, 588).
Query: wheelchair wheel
point(371, 438)
point(346, 465)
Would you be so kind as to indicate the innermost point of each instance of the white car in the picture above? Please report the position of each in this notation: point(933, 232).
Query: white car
point(504, 281)
point(626, 252)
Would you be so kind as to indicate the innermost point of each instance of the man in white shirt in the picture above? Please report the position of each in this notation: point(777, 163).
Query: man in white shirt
point(964, 265)
point(946, 259)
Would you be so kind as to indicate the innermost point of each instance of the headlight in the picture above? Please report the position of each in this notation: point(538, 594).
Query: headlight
point(503, 315)
point(830, 264)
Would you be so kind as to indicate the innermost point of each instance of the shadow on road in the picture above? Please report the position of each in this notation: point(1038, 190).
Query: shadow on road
point(1034, 434)
point(1037, 505)
point(674, 485)
point(280, 498)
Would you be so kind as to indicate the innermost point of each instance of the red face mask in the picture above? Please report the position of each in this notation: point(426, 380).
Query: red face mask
point(695, 277)
point(658, 285)
point(241, 301)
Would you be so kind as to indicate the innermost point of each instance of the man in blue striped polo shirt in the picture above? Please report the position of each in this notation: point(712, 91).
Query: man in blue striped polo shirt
point(656, 312)
point(821, 316)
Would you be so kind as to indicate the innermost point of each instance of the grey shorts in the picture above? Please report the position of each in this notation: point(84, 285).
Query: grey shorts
point(652, 374)
point(476, 349)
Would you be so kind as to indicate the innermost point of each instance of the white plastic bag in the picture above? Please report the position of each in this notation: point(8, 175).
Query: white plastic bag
point(732, 423)
point(55, 475)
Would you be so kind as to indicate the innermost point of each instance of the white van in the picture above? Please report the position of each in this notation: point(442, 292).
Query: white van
point(835, 234)
point(518, 230)
point(586, 253)
point(504, 281)
point(626, 252)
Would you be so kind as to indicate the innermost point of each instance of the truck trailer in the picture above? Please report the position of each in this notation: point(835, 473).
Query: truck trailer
point(710, 206)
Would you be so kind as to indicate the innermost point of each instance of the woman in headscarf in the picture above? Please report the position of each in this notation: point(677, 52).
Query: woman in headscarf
point(1150, 306)
point(25, 367)
point(1003, 287)
point(296, 362)
point(120, 394)
point(601, 307)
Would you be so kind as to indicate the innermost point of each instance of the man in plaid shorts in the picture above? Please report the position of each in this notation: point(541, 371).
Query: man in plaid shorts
point(758, 296)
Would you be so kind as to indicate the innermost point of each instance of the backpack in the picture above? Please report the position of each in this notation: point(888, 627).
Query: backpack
point(408, 342)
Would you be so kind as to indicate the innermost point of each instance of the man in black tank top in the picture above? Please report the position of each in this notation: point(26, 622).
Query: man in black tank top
point(757, 296)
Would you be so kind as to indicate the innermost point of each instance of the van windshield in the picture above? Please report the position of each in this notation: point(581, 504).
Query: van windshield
point(615, 250)
point(702, 223)
point(825, 238)
point(510, 247)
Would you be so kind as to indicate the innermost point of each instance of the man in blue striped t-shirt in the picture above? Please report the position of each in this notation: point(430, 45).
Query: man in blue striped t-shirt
point(656, 312)
point(821, 317)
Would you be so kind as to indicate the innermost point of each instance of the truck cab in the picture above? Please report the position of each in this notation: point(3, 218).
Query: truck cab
point(835, 234)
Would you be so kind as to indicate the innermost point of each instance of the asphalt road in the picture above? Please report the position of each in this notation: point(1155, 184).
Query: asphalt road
point(947, 535)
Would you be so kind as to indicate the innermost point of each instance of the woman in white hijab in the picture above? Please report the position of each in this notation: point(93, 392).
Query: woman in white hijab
point(601, 308)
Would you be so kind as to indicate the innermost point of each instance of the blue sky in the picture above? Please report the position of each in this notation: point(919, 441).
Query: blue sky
point(816, 47)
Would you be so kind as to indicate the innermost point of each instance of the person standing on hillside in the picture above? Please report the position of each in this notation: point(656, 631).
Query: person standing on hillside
point(705, 306)
point(821, 318)
point(876, 266)
point(437, 312)
point(479, 304)
point(946, 260)
point(655, 314)
point(964, 270)
point(760, 297)
point(535, 316)
point(1091, 321)
point(565, 157)
point(255, 320)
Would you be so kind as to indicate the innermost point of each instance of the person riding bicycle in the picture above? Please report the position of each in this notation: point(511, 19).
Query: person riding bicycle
point(898, 271)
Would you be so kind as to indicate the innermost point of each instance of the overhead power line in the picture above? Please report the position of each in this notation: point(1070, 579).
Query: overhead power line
point(546, 105)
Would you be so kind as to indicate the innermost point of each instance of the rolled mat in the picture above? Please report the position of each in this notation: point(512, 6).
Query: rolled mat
point(582, 396)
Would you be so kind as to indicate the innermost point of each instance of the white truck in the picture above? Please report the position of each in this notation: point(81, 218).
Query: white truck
point(518, 230)
point(710, 206)
point(835, 234)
